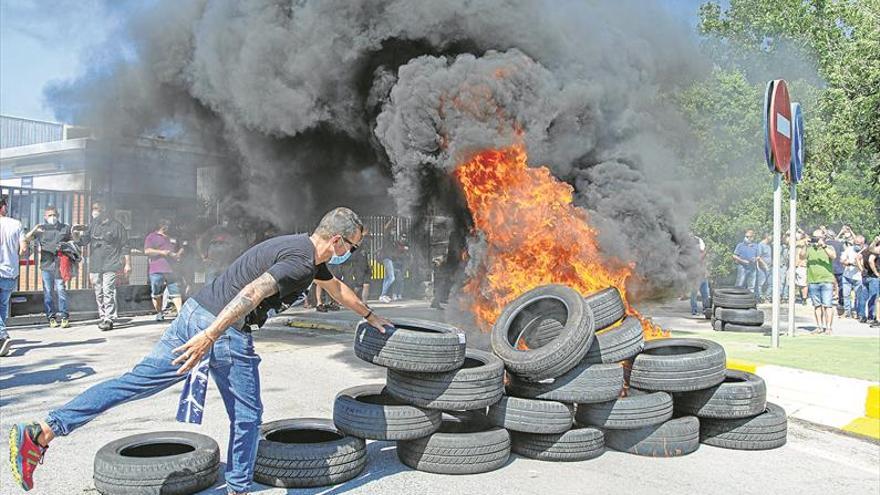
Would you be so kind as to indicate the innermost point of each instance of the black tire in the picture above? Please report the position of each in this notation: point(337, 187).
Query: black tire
point(368, 411)
point(528, 312)
point(734, 302)
point(586, 383)
point(478, 384)
point(619, 343)
point(676, 437)
point(635, 411)
point(578, 444)
point(740, 395)
point(732, 291)
point(306, 453)
point(413, 345)
point(531, 416)
point(465, 444)
point(767, 430)
point(740, 316)
point(167, 463)
point(607, 307)
point(733, 327)
point(678, 365)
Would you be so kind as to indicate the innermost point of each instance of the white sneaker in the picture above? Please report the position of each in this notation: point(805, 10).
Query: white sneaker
point(384, 299)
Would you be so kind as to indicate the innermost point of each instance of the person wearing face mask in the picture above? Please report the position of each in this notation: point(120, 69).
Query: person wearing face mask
point(50, 235)
point(210, 334)
point(745, 256)
point(162, 252)
point(107, 240)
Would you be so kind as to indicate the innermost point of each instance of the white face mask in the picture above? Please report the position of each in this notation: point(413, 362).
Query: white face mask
point(96, 214)
point(52, 220)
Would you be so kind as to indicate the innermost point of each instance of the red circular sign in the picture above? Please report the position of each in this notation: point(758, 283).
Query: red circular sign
point(780, 127)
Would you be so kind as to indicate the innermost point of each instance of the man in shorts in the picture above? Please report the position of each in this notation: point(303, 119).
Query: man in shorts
point(162, 253)
point(820, 280)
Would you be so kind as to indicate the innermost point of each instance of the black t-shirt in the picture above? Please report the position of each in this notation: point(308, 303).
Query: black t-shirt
point(290, 259)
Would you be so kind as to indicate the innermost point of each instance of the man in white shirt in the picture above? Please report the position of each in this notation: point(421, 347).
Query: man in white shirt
point(851, 280)
point(12, 245)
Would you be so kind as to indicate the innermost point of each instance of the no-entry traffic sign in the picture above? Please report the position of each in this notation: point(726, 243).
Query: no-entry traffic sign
point(780, 127)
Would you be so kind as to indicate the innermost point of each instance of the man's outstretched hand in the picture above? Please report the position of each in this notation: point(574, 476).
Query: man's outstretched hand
point(192, 352)
point(379, 323)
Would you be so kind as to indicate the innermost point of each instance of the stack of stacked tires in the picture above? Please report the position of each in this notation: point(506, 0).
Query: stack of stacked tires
point(735, 310)
point(434, 401)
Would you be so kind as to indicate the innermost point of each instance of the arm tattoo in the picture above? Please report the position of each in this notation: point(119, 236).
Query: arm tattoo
point(246, 300)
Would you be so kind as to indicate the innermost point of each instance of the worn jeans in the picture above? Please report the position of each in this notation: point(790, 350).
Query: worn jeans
point(704, 295)
point(105, 294)
point(388, 280)
point(850, 286)
point(7, 286)
point(866, 298)
point(234, 368)
point(763, 282)
point(745, 276)
point(52, 280)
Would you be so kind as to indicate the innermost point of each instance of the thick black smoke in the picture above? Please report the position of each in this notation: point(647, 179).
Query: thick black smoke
point(372, 104)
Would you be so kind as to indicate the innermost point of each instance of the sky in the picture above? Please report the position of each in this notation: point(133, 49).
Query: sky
point(50, 40)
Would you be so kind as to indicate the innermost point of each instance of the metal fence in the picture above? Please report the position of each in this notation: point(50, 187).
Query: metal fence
point(28, 205)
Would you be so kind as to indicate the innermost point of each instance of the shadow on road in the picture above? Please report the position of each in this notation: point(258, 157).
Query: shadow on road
point(19, 376)
point(20, 348)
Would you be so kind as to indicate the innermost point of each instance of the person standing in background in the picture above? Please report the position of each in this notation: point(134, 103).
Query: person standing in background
point(745, 256)
point(837, 267)
point(219, 247)
point(820, 278)
point(764, 264)
point(50, 235)
point(386, 253)
point(851, 280)
point(866, 305)
point(703, 283)
point(162, 254)
point(12, 246)
point(800, 267)
point(108, 253)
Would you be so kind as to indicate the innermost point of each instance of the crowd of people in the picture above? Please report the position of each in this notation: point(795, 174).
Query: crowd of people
point(836, 273)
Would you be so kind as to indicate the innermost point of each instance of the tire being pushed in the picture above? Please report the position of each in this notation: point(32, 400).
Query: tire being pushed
point(535, 310)
point(678, 365)
point(412, 345)
point(767, 430)
point(676, 437)
point(579, 444)
point(531, 416)
point(307, 453)
point(740, 395)
point(479, 383)
point(368, 411)
point(465, 444)
point(585, 383)
point(160, 463)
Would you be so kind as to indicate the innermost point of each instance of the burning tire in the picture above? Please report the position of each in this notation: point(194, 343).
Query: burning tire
point(413, 345)
point(676, 437)
point(767, 430)
point(530, 312)
point(307, 453)
point(607, 308)
point(369, 412)
point(635, 411)
point(172, 462)
point(579, 444)
point(478, 384)
point(618, 343)
point(740, 395)
point(465, 444)
point(751, 317)
point(586, 383)
point(678, 365)
point(531, 416)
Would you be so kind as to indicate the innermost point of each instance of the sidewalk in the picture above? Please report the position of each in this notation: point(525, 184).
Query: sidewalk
point(849, 404)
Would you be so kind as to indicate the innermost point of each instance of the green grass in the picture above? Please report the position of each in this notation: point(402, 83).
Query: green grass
point(855, 357)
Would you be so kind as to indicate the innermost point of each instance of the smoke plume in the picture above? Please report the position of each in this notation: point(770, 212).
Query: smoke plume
point(372, 104)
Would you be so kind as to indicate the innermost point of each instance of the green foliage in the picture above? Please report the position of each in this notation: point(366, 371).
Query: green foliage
point(840, 97)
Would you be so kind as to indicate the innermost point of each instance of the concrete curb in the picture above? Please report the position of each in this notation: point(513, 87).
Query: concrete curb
point(846, 404)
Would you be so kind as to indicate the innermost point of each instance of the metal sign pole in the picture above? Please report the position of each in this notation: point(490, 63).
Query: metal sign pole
point(777, 235)
point(792, 254)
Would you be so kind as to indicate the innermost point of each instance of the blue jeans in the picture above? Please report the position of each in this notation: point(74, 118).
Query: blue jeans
point(763, 278)
point(234, 368)
point(51, 280)
point(704, 295)
point(849, 286)
point(745, 276)
point(866, 298)
point(7, 285)
point(388, 280)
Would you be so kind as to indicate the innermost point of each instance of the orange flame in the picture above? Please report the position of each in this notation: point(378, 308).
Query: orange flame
point(534, 236)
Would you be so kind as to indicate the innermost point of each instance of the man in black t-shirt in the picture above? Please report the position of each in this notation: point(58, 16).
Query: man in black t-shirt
point(211, 325)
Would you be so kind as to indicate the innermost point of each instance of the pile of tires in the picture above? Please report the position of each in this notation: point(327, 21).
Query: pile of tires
point(735, 310)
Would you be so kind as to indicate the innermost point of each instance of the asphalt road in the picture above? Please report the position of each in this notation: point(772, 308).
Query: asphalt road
point(301, 373)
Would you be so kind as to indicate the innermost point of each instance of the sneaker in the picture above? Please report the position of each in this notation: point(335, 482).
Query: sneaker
point(875, 323)
point(321, 308)
point(4, 346)
point(160, 317)
point(53, 323)
point(25, 454)
point(333, 307)
point(384, 299)
point(862, 319)
point(106, 325)
point(65, 323)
